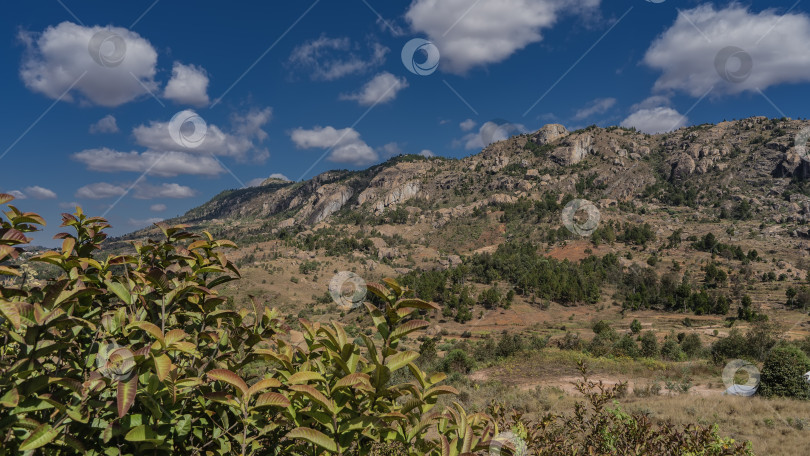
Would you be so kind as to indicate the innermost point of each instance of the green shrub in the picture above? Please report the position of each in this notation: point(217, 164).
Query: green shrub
point(782, 373)
point(649, 345)
point(457, 361)
point(635, 326)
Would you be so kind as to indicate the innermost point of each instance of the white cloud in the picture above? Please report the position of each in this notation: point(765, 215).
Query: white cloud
point(427, 153)
point(100, 190)
point(244, 137)
point(489, 132)
point(470, 34)
point(327, 59)
point(467, 125)
point(157, 207)
point(38, 192)
point(188, 85)
point(345, 144)
point(154, 163)
point(166, 190)
point(391, 149)
point(382, 89)
point(655, 120)
point(17, 194)
point(597, 106)
point(58, 59)
point(106, 124)
point(141, 190)
point(776, 44)
point(278, 176)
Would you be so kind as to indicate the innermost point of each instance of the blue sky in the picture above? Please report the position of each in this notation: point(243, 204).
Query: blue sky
point(95, 95)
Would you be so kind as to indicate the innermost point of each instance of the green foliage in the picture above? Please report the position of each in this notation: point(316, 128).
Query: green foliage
point(635, 326)
point(649, 345)
point(138, 354)
point(782, 373)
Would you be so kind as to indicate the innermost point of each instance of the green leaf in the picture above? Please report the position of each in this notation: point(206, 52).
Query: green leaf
point(400, 359)
point(151, 328)
point(407, 328)
point(271, 400)
point(41, 436)
point(314, 437)
point(416, 304)
point(143, 433)
point(11, 398)
point(162, 365)
point(126, 395)
point(230, 378)
point(304, 377)
point(11, 312)
point(120, 290)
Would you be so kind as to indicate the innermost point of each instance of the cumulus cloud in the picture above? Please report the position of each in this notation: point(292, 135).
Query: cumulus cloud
point(382, 89)
point(166, 190)
point(391, 149)
point(597, 106)
point(660, 119)
point(188, 85)
point(151, 162)
point(470, 34)
point(259, 180)
point(100, 190)
point(38, 192)
point(427, 153)
point(345, 145)
point(489, 132)
point(326, 59)
point(141, 190)
point(157, 207)
point(17, 194)
point(241, 142)
point(467, 125)
point(689, 62)
point(106, 124)
point(60, 60)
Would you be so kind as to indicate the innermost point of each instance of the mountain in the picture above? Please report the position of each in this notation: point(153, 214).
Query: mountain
point(743, 181)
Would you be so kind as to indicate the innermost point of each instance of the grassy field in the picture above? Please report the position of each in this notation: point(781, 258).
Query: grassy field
point(543, 382)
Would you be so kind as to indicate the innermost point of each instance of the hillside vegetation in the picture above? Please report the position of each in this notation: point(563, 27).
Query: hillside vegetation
point(139, 354)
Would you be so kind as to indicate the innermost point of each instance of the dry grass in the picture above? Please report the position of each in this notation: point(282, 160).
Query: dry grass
point(542, 382)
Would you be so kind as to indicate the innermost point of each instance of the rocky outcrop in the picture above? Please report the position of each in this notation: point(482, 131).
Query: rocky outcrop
point(327, 200)
point(574, 150)
point(393, 186)
point(549, 133)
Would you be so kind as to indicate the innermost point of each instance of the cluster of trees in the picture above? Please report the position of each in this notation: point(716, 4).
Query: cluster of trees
point(608, 342)
point(710, 243)
point(334, 242)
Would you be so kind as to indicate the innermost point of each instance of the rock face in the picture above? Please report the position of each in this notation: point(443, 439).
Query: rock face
point(574, 150)
point(549, 133)
point(393, 186)
point(327, 200)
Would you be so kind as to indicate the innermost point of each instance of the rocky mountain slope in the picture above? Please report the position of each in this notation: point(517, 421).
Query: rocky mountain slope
point(745, 181)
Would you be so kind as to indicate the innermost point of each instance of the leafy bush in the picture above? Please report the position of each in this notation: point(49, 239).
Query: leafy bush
point(138, 354)
point(782, 373)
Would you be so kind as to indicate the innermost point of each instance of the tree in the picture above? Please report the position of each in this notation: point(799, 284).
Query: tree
point(635, 326)
point(649, 345)
point(782, 373)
